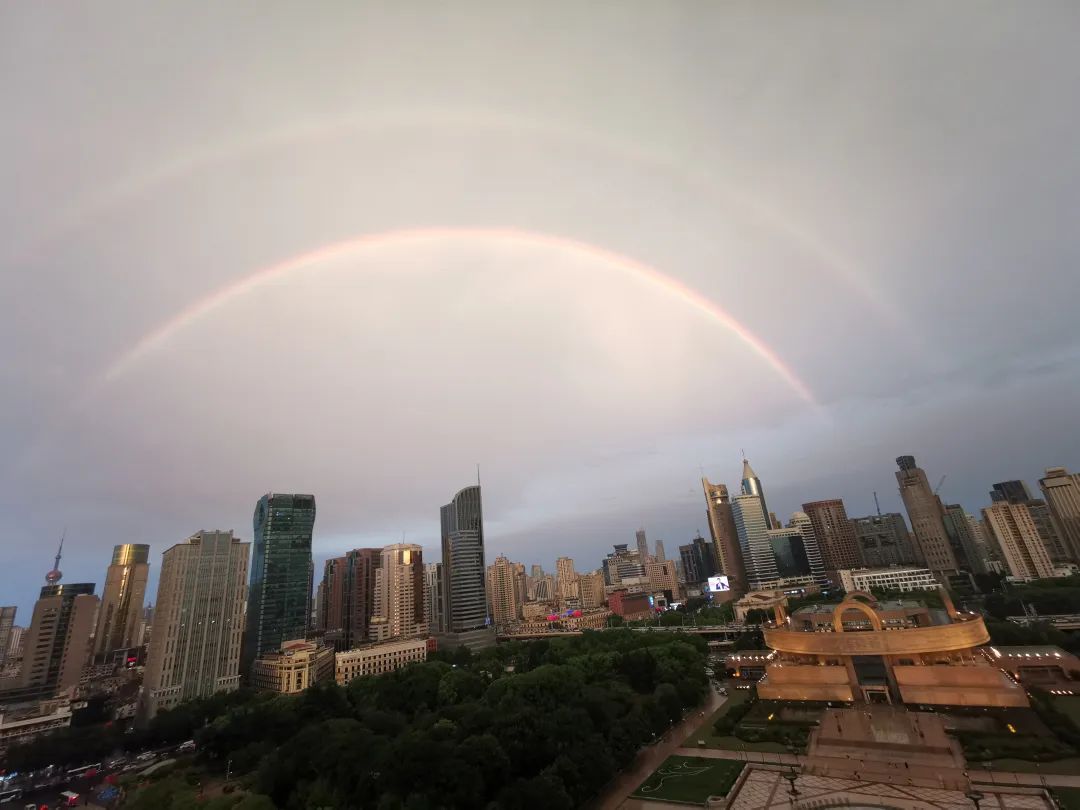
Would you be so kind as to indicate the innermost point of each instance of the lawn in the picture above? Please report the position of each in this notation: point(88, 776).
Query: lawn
point(690, 779)
point(735, 698)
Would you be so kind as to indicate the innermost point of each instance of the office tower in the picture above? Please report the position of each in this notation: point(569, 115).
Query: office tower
point(1062, 492)
point(120, 615)
point(521, 585)
point(932, 546)
point(725, 537)
point(797, 552)
point(642, 545)
point(752, 529)
point(958, 526)
point(1019, 541)
point(7, 622)
point(502, 591)
point(57, 647)
point(835, 535)
point(690, 556)
point(662, 576)
point(883, 540)
point(660, 556)
point(433, 596)
point(465, 592)
point(198, 621)
point(399, 593)
point(348, 597)
point(592, 590)
point(566, 579)
point(623, 564)
point(1057, 546)
point(280, 590)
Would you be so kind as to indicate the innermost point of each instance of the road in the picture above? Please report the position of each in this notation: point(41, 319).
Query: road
point(649, 759)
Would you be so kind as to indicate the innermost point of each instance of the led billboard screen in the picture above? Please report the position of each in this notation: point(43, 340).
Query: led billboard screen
point(718, 584)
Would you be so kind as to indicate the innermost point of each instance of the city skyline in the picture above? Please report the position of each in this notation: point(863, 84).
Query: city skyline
point(593, 265)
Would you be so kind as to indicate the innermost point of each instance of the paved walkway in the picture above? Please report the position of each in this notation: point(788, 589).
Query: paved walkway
point(647, 761)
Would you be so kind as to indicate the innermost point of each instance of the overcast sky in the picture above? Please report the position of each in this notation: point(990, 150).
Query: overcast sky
point(885, 195)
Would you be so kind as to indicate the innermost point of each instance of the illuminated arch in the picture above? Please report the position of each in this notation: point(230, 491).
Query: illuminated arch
point(854, 604)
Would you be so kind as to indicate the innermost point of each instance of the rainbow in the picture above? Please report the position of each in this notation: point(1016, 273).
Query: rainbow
point(321, 256)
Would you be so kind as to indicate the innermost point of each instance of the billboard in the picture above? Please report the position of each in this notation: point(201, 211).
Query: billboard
point(716, 584)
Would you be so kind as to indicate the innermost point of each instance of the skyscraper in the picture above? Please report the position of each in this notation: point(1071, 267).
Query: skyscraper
point(399, 593)
point(566, 579)
point(348, 597)
point(932, 545)
point(592, 590)
point(883, 540)
point(120, 615)
point(7, 621)
point(958, 525)
point(622, 564)
point(280, 591)
point(1062, 492)
point(642, 545)
point(465, 592)
point(1016, 535)
point(752, 528)
point(1057, 545)
point(660, 557)
point(690, 556)
point(725, 537)
point(835, 536)
point(198, 621)
point(797, 552)
point(502, 591)
point(433, 598)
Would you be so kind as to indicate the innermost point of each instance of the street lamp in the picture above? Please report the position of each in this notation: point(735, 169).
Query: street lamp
point(793, 791)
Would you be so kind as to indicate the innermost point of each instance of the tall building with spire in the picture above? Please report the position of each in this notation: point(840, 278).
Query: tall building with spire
point(1062, 492)
point(465, 591)
point(122, 598)
point(752, 525)
point(280, 590)
point(926, 514)
point(725, 536)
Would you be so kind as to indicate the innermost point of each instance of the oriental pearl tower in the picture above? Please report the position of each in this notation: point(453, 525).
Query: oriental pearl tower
point(55, 575)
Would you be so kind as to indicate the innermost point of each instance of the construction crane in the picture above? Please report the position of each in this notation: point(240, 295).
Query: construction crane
point(876, 504)
point(939, 483)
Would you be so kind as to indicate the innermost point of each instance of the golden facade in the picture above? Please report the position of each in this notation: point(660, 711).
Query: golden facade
point(871, 653)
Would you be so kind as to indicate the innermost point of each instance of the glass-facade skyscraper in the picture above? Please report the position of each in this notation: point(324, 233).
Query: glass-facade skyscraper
point(464, 589)
point(280, 589)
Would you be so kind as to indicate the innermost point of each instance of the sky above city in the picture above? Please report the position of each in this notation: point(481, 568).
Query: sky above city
point(598, 250)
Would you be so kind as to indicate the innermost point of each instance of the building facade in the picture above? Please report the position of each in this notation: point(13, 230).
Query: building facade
point(883, 540)
point(835, 534)
point(279, 596)
point(433, 596)
point(725, 537)
point(502, 592)
point(296, 666)
point(592, 590)
point(198, 621)
point(464, 584)
point(1061, 489)
point(399, 593)
point(7, 622)
point(896, 578)
point(642, 545)
point(1018, 538)
point(378, 659)
point(57, 646)
point(120, 614)
point(347, 597)
point(932, 543)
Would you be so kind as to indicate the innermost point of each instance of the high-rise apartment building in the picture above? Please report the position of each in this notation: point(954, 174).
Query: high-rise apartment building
point(642, 545)
point(279, 596)
point(502, 591)
point(399, 593)
point(120, 614)
point(662, 576)
point(7, 622)
point(566, 579)
point(1057, 546)
point(57, 645)
point(958, 526)
point(1062, 492)
point(198, 621)
point(883, 540)
point(932, 544)
point(348, 597)
point(433, 596)
point(592, 590)
point(1019, 541)
point(725, 537)
point(465, 591)
point(835, 535)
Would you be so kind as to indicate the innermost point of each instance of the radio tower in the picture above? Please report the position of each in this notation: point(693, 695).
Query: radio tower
point(55, 575)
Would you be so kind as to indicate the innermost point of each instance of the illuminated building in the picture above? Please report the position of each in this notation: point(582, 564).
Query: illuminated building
point(376, 659)
point(298, 665)
point(865, 652)
point(894, 578)
point(120, 614)
point(399, 593)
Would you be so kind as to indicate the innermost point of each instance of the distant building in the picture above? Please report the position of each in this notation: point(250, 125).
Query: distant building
point(433, 596)
point(797, 552)
point(888, 579)
point(1062, 492)
point(279, 596)
point(1057, 546)
point(883, 540)
point(198, 621)
point(662, 576)
point(377, 659)
point(623, 564)
point(399, 593)
point(629, 605)
point(698, 560)
point(1019, 540)
point(57, 647)
point(464, 587)
point(120, 615)
point(591, 587)
point(502, 591)
point(835, 534)
point(725, 535)
point(20, 725)
point(958, 527)
point(7, 622)
point(296, 666)
point(932, 543)
point(642, 545)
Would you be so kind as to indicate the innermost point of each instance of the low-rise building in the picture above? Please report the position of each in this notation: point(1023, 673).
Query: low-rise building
point(575, 620)
point(1044, 666)
point(630, 605)
point(18, 726)
point(298, 665)
point(377, 659)
point(893, 578)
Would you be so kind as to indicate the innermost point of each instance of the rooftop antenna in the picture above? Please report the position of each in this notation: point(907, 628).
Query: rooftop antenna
point(939, 483)
point(876, 504)
point(54, 576)
point(478, 473)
